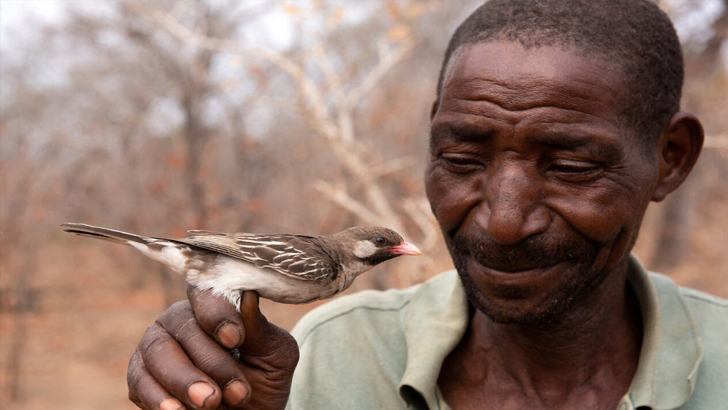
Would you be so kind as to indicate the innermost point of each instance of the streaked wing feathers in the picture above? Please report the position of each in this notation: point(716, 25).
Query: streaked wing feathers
point(205, 233)
point(292, 255)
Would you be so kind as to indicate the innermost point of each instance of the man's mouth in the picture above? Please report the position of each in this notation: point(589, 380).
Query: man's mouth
point(533, 256)
point(514, 261)
point(515, 275)
point(516, 268)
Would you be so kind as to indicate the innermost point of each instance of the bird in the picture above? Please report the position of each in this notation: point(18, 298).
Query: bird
point(285, 268)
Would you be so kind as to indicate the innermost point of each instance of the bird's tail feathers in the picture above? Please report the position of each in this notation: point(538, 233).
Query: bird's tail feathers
point(104, 233)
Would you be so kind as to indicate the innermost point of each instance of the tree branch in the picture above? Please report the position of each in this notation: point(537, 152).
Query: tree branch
point(339, 196)
point(308, 88)
point(385, 64)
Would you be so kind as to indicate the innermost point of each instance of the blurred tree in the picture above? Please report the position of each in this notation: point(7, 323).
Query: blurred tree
point(705, 89)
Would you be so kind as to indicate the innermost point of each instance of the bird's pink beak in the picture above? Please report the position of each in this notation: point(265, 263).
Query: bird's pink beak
point(405, 248)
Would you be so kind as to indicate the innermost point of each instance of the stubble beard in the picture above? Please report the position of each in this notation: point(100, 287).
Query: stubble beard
point(581, 275)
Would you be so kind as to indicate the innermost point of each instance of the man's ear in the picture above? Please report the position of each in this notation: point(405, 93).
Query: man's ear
point(680, 146)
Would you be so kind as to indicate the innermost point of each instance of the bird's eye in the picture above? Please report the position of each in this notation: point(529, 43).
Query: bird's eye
point(380, 240)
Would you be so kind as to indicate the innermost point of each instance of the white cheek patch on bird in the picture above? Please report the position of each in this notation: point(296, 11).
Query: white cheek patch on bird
point(284, 268)
point(364, 249)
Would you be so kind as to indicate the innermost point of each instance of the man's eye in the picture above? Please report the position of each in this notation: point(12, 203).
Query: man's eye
point(576, 171)
point(460, 163)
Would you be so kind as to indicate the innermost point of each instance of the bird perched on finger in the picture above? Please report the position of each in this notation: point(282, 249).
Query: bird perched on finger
point(284, 268)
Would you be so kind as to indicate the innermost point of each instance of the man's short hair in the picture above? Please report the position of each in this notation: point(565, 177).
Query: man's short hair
point(635, 34)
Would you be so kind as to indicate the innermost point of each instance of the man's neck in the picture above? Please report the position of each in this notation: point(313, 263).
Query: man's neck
point(584, 360)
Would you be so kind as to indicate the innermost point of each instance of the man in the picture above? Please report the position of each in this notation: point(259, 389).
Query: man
point(556, 123)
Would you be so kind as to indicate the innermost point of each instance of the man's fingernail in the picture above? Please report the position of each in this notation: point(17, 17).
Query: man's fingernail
point(229, 335)
point(198, 392)
point(235, 392)
point(170, 404)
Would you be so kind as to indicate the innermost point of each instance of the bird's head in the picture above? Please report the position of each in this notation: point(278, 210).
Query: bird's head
point(372, 245)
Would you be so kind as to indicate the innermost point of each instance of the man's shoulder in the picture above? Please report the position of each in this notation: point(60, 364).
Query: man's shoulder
point(704, 300)
point(710, 314)
point(362, 343)
point(707, 319)
point(365, 305)
point(365, 308)
point(699, 303)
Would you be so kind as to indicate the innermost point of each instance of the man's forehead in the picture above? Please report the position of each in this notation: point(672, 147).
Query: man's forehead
point(517, 78)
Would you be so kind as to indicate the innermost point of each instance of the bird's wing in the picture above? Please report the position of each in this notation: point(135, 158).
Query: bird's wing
point(205, 233)
point(290, 255)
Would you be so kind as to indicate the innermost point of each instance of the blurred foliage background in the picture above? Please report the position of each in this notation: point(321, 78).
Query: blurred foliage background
point(256, 116)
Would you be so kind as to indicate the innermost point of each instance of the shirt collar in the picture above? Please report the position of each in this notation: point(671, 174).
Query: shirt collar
point(434, 323)
point(437, 318)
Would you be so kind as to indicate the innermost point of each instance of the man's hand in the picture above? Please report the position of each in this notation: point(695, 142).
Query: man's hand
point(184, 357)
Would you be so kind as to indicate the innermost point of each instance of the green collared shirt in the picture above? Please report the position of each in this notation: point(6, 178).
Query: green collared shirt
point(384, 350)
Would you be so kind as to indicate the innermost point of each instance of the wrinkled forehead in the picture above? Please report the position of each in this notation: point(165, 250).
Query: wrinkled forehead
point(520, 74)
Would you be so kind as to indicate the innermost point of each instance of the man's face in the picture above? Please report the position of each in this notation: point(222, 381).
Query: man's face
point(537, 186)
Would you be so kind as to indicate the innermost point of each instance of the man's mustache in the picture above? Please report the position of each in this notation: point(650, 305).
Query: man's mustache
point(530, 253)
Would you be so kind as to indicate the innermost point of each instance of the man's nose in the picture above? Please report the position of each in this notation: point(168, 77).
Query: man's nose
point(513, 208)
